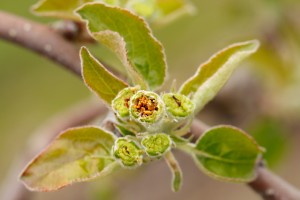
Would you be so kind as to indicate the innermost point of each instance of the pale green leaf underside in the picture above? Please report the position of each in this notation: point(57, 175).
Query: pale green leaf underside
point(227, 153)
point(76, 155)
point(116, 43)
point(212, 75)
point(143, 52)
point(98, 79)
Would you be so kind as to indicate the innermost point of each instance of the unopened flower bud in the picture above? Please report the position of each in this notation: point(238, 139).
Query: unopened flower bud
point(120, 104)
point(146, 107)
point(156, 144)
point(178, 106)
point(128, 153)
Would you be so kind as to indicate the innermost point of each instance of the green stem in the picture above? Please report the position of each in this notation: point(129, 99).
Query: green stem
point(175, 169)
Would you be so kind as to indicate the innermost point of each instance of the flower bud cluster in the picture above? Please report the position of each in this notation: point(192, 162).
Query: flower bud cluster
point(130, 152)
point(148, 108)
point(158, 115)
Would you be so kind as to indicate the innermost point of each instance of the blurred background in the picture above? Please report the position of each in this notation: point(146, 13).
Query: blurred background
point(262, 97)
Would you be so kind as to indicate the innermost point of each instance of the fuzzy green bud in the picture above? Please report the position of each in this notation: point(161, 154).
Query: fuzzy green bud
point(127, 152)
point(146, 107)
point(120, 104)
point(156, 144)
point(178, 106)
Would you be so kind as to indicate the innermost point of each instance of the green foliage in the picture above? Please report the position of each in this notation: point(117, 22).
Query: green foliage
point(151, 123)
point(176, 171)
point(131, 39)
point(212, 75)
point(227, 153)
point(76, 155)
point(98, 79)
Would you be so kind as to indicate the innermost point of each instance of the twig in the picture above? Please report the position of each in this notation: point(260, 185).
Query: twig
point(41, 39)
point(44, 40)
point(73, 31)
point(267, 184)
point(77, 115)
point(272, 187)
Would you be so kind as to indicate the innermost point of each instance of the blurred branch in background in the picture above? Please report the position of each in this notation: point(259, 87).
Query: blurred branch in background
point(53, 43)
point(41, 39)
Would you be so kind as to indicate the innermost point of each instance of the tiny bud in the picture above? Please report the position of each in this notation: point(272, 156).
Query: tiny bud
point(178, 106)
point(146, 107)
point(156, 144)
point(127, 152)
point(120, 104)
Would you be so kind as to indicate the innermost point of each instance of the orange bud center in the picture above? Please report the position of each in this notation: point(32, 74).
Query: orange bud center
point(145, 105)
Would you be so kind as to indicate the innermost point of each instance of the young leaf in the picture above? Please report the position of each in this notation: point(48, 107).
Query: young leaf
point(137, 48)
point(227, 153)
point(58, 8)
point(76, 155)
point(212, 75)
point(176, 171)
point(98, 79)
point(116, 43)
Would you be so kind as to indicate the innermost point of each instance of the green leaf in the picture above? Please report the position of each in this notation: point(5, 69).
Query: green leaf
point(58, 8)
point(176, 171)
point(212, 75)
point(115, 42)
point(98, 79)
point(130, 38)
point(227, 153)
point(168, 10)
point(76, 155)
